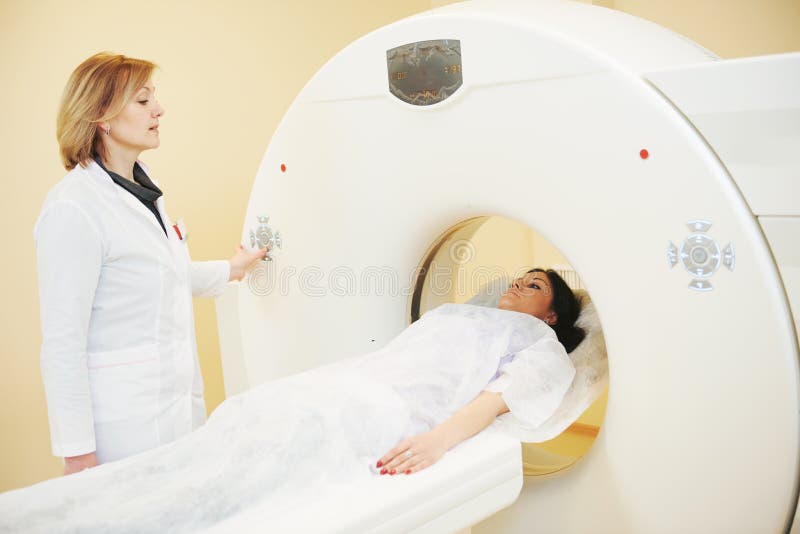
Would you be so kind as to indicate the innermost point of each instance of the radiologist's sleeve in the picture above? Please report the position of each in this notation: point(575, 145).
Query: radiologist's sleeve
point(535, 382)
point(209, 278)
point(69, 254)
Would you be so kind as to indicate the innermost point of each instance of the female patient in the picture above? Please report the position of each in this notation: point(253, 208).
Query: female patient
point(318, 433)
point(542, 294)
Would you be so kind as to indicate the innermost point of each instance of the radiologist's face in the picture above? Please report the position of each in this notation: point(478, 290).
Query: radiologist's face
point(531, 294)
point(136, 127)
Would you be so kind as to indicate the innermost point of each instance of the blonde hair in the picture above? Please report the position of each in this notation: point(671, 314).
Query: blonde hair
point(96, 91)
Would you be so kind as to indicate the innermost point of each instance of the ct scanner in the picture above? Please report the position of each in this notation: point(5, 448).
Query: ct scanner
point(669, 180)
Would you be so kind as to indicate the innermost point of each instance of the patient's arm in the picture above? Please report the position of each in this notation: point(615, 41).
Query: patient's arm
point(425, 449)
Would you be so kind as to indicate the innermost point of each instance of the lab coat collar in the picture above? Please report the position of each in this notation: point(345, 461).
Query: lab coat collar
point(143, 189)
point(155, 234)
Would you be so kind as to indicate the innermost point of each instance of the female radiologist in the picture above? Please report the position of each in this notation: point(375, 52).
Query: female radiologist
point(119, 357)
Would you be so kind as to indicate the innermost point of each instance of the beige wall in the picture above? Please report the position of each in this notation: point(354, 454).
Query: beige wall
point(729, 28)
point(228, 72)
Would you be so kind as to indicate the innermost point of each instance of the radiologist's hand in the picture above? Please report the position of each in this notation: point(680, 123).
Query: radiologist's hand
point(414, 454)
point(74, 464)
point(243, 260)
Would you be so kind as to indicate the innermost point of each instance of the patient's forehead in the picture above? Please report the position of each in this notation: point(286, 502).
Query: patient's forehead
point(538, 275)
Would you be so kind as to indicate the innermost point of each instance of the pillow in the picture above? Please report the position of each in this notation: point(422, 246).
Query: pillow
point(489, 295)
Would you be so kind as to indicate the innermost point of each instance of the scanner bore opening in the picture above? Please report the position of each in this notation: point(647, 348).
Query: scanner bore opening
point(473, 261)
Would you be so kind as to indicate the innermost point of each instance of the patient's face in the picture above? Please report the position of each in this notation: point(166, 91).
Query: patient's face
point(530, 294)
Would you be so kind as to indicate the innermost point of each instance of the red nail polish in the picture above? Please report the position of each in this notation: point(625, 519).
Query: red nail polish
point(384, 471)
point(408, 471)
point(392, 472)
point(379, 464)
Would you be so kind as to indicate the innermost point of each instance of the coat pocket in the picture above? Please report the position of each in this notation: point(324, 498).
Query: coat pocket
point(124, 383)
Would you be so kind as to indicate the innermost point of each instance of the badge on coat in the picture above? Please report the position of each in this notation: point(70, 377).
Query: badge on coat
point(180, 230)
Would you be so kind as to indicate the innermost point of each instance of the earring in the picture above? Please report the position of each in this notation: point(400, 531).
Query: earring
point(108, 130)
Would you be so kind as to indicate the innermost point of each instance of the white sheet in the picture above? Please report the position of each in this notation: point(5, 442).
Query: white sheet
point(297, 442)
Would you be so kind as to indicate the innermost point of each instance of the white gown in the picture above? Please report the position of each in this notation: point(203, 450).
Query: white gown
point(305, 436)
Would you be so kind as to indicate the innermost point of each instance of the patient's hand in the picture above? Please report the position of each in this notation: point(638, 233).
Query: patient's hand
point(414, 454)
point(74, 464)
point(423, 450)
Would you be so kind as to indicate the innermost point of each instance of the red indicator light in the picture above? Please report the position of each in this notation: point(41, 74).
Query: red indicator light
point(644, 154)
point(283, 167)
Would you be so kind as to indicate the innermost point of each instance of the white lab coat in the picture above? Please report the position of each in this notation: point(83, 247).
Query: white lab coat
point(119, 357)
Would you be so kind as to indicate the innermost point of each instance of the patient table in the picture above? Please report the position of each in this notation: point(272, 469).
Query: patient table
point(470, 483)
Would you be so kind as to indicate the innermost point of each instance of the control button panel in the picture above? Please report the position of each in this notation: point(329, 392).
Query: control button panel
point(700, 255)
point(264, 237)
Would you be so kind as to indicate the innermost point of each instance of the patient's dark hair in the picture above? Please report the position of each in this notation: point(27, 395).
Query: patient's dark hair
point(567, 307)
